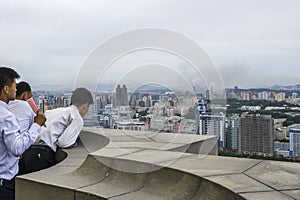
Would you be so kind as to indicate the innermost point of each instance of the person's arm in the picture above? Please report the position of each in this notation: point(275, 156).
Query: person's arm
point(17, 143)
point(70, 134)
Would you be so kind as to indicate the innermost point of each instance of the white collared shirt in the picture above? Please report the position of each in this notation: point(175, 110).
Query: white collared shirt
point(12, 142)
point(63, 127)
point(23, 112)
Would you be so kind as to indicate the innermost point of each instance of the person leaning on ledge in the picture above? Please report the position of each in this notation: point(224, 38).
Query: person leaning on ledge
point(62, 130)
point(12, 142)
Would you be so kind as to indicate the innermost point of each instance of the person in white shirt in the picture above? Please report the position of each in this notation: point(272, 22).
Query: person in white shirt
point(62, 130)
point(21, 108)
point(12, 142)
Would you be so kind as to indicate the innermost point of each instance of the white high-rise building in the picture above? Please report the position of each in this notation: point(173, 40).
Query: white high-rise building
point(213, 124)
point(263, 95)
point(295, 141)
point(210, 123)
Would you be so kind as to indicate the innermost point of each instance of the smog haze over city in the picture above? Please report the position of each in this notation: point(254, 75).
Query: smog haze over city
point(252, 43)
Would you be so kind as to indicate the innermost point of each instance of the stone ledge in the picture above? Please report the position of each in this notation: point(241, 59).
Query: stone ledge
point(111, 164)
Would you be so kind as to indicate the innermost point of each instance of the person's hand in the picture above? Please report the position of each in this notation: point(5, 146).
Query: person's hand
point(40, 119)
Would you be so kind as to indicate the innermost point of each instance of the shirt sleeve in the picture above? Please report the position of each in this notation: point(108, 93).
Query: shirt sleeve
point(17, 143)
point(70, 134)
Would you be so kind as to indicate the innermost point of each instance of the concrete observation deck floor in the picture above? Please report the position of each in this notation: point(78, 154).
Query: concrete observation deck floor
point(122, 165)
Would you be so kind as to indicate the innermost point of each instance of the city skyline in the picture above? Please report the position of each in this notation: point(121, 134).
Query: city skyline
point(251, 43)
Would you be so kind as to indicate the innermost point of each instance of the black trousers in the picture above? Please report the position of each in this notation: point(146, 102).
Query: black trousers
point(36, 158)
point(7, 189)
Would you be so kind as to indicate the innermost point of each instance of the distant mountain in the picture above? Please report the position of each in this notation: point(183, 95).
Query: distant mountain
point(152, 88)
point(285, 87)
point(271, 88)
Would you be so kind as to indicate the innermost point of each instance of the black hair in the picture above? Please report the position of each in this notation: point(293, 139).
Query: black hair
point(7, 76)
point(81, 96)
point(22, 87)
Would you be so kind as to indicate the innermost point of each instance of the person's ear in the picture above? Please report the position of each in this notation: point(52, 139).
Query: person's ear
point(6, 89)
point(26, 96)
point(22, 96)
point(85, 106)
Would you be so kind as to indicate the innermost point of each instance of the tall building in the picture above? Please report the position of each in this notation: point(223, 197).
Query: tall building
point(232, 132)
point(208, 95)
point(245, 96)
point(257, 134)
point(280, 96)
point(201, 108)
point(294, 95)
point(295, 141)
point(263, 95)
point(121, 96)
point(236, 89)
point(209, 123)
point(212, 124)
point(134, 99)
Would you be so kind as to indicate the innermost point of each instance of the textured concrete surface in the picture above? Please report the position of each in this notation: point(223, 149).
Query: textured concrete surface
point(292, 193)
point(280, 175)
point(267, 196)
point(239, 183)
point(206, 165)
point(117, 165)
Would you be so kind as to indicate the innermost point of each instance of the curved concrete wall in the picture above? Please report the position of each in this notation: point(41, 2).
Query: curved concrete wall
point(115, 165)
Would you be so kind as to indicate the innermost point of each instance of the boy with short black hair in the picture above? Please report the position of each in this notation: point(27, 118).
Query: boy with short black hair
point(12, 142)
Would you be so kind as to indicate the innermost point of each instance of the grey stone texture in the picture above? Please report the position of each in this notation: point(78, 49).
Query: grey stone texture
point(118, 165)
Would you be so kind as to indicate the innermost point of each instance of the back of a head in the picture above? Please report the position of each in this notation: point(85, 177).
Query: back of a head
point(22, 87)
point(7, 76)
point(81, 96)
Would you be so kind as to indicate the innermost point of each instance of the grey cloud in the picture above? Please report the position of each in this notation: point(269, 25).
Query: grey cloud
point(240, 36)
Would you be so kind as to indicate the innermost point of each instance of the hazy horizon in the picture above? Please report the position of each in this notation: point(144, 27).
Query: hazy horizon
point(111, 87)
point(252, 43)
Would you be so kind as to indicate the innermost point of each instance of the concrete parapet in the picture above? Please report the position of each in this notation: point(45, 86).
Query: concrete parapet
point(111, 164)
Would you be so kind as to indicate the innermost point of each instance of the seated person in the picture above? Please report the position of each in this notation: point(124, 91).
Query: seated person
point(62, 129)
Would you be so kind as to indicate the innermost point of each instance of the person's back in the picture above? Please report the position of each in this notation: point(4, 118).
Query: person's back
point(62, 129)
point(20, 107)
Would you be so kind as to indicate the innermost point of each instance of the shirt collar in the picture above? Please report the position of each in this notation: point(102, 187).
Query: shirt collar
point(3, 104)
point(76, 110)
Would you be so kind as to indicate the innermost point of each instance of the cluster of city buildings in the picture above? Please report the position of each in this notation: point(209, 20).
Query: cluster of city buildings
point(159, 110)
point(236, 93)
point(249, 133)
point(164, 111)
point(144, 110)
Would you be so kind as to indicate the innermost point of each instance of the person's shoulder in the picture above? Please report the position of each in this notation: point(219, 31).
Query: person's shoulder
point(20, 103)
point(7, 118)
point(16, 102)
point(61, 111)
point(17, 105)
point(5, 112)
point(57, 110)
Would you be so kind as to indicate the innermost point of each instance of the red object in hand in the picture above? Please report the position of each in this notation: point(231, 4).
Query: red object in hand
point(33, 105)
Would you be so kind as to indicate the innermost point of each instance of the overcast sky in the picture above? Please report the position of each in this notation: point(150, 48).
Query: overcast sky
point(253, 43)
